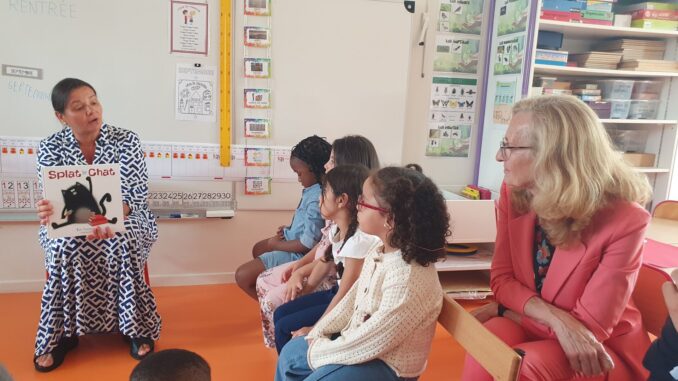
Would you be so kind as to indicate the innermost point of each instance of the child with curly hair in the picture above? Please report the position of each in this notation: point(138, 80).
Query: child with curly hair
point(290, 243)
point(383, 328)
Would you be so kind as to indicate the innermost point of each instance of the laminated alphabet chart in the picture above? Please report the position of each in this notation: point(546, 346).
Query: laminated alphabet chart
point(84, 197)
point(19, 185)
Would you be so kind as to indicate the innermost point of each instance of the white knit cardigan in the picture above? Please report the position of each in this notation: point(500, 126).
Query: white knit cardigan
point(390, 314)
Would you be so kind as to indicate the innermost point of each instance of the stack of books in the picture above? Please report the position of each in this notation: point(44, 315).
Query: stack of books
point(587, 92)
point(551, 57)
point(652, 15)
point(551, 86)
point(633, 48)
point(649, 65)
point(597, 60)
point(586, 11)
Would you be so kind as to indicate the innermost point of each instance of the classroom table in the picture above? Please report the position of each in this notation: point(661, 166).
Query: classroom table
point(663, 230)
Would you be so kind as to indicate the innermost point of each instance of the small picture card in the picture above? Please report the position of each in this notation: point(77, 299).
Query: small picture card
point(257, 157)
point(83, 196)
point(257, 68)
point(257, 37)
point(257, 98)
point(255, 186)
point(257, 128)
point(258, 7)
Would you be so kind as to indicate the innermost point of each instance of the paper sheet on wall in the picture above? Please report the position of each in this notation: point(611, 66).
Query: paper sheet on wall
point(461, 16)
point(255, 186)
point(195, 93)
point(509, 55)
point(504, 98)
point(188, 27)
point(452, 112)
point(19, 185)
point(455, 54)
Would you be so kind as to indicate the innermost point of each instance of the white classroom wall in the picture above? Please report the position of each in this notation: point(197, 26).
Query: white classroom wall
point(368, 46)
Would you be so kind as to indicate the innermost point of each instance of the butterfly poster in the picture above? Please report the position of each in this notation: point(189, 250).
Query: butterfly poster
point(83, 197)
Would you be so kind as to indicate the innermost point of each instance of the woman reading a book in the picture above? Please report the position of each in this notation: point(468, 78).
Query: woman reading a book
point(570, 229)
point(95, 283)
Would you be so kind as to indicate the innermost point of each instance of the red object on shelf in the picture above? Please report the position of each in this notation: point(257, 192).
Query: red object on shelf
point(561, 16)
point(597, 22)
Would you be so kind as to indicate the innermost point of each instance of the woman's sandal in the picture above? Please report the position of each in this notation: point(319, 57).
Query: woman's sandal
point(135, 345)
point(65, 345)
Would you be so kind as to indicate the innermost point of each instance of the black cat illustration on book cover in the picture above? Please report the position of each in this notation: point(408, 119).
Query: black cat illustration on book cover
point(84, 197)
point(81, 207)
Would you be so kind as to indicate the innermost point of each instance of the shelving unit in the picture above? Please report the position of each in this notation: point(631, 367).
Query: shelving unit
point(662, 135)
point(588, 72)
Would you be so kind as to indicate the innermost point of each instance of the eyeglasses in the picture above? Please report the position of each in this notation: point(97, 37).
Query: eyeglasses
point(505, 149)
point(363, 204)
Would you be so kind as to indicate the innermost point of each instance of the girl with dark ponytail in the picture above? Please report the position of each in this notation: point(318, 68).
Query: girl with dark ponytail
point(348, 247)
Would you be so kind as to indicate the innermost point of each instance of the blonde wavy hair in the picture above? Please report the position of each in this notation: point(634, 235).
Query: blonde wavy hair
point(576, 169)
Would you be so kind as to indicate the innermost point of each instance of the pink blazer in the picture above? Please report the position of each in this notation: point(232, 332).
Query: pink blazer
point(593, 280)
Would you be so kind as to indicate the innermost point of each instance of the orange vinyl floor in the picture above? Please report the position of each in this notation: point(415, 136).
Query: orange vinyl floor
point(218, 321)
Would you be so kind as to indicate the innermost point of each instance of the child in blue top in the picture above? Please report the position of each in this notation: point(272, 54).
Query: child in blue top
point(662, 357)
point(290, 243)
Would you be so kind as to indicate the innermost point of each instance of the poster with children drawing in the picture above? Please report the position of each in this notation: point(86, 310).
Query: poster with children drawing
point(188, 27)
point(83, 197)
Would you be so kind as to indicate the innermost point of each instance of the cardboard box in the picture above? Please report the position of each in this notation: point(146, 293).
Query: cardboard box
point(639, 159)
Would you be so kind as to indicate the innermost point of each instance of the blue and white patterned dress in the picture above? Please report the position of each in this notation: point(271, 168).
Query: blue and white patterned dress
point(98, 286)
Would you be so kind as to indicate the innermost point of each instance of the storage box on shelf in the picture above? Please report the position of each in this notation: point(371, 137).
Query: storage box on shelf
point(635, 96)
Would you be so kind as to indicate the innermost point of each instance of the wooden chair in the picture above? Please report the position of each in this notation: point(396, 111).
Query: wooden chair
point(497, 358)
point(649, 299)
point(666, 209)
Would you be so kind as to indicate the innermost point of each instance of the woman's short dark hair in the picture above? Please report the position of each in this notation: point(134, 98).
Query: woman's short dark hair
point(172, 365)
point(315, 152)
point(418, 210)
point(62, 91)
point(355, 149)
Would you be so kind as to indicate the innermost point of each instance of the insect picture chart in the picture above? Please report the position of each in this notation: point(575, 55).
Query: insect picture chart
point(452, 113)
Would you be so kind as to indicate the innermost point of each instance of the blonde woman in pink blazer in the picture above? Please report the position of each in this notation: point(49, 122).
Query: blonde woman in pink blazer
point(570, 229)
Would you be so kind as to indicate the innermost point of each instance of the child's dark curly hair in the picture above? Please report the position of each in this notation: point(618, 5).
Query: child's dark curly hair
point(417, 208)
point(315, 152)
point(346, 179)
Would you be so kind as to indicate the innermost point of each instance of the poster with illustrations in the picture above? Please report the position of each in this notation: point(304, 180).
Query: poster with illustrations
point(512, 16)
point(258, 7)
point(257, 157)
point(461, 16)
point(446, 139)
point(257, 68)
point(257, 128)
point(257, 186)
point(454, 94)
point(257, 98)
point(452, 114)
point(188, 27)
point(257, 37)
point(504, 98)
point(456, 55)
point(195, 93)
point(83, 196)
point(509, 55)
